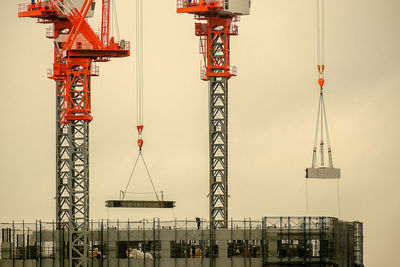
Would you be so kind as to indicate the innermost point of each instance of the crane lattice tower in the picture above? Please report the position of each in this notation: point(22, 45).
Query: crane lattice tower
point(77, 48)
point(218, 20)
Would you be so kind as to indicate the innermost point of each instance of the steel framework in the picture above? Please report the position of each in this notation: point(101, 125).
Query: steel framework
point(63, 164)
point(218, 136)
point(215, 46)
point(267, 241)
point(217, 32)
point(79, 197)
point(78, 114)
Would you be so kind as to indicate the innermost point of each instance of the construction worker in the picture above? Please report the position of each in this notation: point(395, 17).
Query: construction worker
point(193, 251)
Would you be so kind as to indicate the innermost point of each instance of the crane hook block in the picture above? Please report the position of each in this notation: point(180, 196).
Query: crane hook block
point(140, 128)
point(321, 82)
point(140, 143)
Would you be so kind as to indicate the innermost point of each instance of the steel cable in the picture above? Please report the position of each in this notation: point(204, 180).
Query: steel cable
point(139, 91)
point(130, 177)
point(307, 196)
point(327, 134)
point(139, 61)
point(148, 173)
point(115, 16)
point(314, 161)
point(338, 196)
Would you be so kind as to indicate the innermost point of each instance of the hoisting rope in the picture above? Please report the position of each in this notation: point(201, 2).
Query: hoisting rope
point(139, 71)
point(321, 123)
point(114, 20)
point(338, 196)
point(307, 197)
point(139, 95)
point(321, 117)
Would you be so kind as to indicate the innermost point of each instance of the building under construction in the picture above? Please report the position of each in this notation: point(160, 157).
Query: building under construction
point(271, 241)
point(72, 240)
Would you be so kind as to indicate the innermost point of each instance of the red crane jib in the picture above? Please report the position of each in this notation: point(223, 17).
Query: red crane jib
point(216, 29)
point(75, 54)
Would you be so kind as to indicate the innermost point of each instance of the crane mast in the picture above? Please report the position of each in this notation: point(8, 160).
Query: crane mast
point(216, 34)
point(217, 22)
point(76, 51)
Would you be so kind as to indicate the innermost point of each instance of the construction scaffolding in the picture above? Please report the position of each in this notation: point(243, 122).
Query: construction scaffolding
point(271, 241)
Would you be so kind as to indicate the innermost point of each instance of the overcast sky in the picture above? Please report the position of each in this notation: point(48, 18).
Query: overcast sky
point(272, 111)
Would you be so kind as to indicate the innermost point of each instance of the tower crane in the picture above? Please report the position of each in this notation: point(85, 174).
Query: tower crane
point(77, 48)
point(217, 22)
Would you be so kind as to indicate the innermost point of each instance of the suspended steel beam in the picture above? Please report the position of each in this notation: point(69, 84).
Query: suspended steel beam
point(139, 204)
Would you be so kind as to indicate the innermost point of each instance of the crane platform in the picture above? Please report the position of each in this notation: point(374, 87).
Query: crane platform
point(139, 204)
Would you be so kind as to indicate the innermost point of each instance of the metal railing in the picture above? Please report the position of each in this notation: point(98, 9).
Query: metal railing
point(299, 222)
point(233, 70)
point(266, 222)
point(203, 72)
point(203, 44)
point(24, 7)
point(50, 73)
point(308, 239)
point(193, 3)
point(94, 70)
point(358, 243)
point(124, 45)
point(234, 29)
point(50, 32)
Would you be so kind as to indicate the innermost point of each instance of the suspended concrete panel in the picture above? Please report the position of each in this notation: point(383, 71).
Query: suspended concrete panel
point(139, 204)
point(323, 173)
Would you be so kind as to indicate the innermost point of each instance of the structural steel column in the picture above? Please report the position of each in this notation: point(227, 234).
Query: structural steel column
point(218, 72)
point(78, 118)
point(63, 167)
point(79, 197)
point(218, 141)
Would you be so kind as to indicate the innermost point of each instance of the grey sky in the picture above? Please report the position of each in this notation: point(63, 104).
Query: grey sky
point(273, 106)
